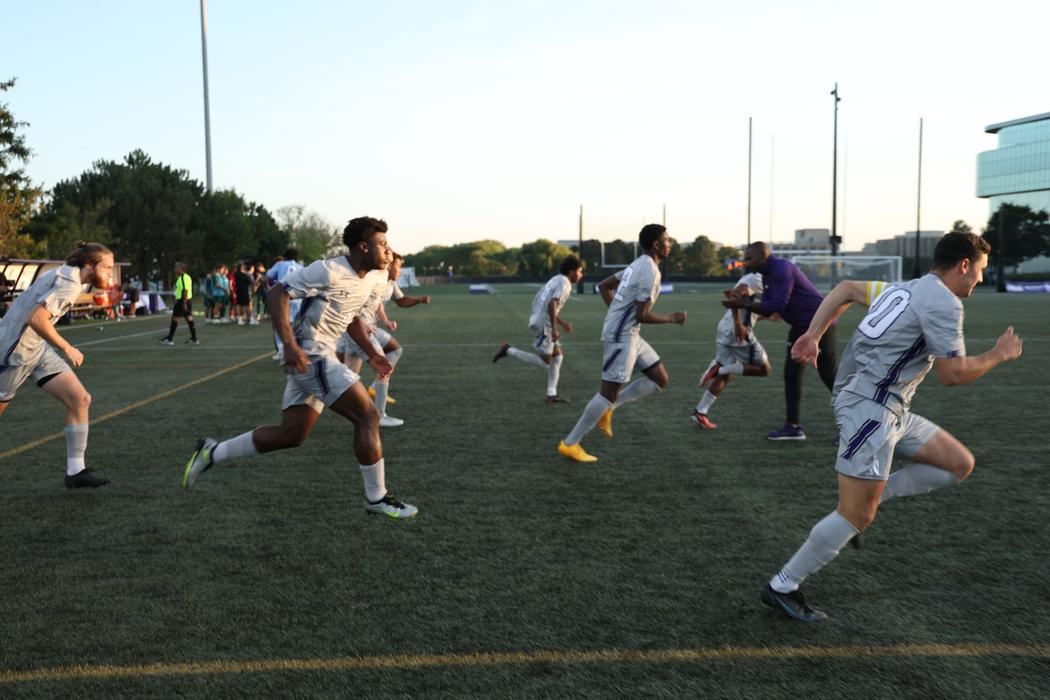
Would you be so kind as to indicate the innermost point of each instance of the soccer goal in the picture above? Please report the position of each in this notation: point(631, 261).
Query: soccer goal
point(618, 254)
point(827, 270)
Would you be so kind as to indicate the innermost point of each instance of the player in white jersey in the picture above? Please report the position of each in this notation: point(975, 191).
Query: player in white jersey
point(333, 292)
point(28, 343)
point(909, 329)
point(630, 295)
point(276, 274)
point(544, 320)
point(737, 350)
point(372, 314)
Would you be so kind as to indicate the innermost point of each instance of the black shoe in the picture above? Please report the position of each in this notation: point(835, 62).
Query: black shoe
point(791, 604)
point(85, 480)
point(857, 542)
point(551, 400)
point(501, 353)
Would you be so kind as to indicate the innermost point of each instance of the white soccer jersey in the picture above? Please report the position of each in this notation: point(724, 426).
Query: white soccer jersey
point(379, 297)
point(726, 328)
point(639, 281)
point(558, 289)
point(894, 346)
point(56, 290)
point(333, 295)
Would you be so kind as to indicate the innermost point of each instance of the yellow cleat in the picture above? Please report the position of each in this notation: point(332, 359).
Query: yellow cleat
point(389, 399)
point(575, 452)
point(605, 423)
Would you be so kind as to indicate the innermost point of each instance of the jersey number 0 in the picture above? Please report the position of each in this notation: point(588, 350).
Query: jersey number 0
point(886, 309)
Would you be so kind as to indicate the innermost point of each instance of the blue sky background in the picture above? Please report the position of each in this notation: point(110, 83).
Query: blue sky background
point(462, 120)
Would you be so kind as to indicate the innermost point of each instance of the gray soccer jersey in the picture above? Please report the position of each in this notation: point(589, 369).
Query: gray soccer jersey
point(56, 290)
point(379, 297)
point(639, 281)
point(333, 295)
point(726, 328)
point(558, 288)
point(894, 346)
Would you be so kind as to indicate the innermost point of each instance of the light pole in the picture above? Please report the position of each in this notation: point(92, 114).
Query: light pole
point(917, 272)
point(579, 285)
point(834, 239)
point(207, 114)
point(749, 180)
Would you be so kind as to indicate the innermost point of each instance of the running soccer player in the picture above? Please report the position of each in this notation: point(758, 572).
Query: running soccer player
point(909, 329)
point(28, 343)
point(374, 311)
point(737, 351)
point(544, 321)
point(333, 291)
point(630, 295)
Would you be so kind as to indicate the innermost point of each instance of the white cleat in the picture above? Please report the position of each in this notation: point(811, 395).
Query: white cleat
point(386, 421)
point(391, 508)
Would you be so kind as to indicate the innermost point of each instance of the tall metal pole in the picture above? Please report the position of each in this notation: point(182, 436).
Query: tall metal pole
point(749, 180)
point(207, 111)
point(772, 170)
point(835, 240)
point(917, 272)
point(664, 220)
point(579, 285)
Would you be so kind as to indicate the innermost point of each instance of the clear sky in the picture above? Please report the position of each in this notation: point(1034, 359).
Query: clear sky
point(458, 120)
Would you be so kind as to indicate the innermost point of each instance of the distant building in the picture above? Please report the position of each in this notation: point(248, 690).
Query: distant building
point(807, 240)
point(1018, 171)
point(904, 245)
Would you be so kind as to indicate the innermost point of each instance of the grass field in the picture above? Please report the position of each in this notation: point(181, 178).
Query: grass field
point(524, 574)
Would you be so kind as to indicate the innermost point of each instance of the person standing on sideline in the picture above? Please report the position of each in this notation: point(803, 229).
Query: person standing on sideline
point(243, 281)
point(630, 295)
point(183, 306)
point(544, 319)
point(787, 292)
point(260, 285)
point(276, 274)
point(336, 290)
point(28, 343)
point(909, 329)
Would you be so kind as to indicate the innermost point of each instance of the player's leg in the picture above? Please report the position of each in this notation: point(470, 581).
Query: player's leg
point(190, 323)
point(940, 460)
point(553, 360)
point(617, 365)
point(390, 348)
point(65, 386)
point(541, 358)
point(711, 394)
point(176, 312)
point(793, 372)
point(3, 405)
point(654, 379)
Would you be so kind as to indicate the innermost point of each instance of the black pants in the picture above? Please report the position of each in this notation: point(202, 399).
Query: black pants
point(827, 365)
point(183, 309)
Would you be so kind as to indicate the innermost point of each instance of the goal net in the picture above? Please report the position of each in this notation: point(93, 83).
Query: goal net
point(827, 270)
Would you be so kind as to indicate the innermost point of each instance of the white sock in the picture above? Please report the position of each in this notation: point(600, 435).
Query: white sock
point(375, 482)
point(382, 387)
point(823, 544)
point(553, 374)
point(76, 445)
point(594, 409)
point(240, 446)
point(527, 357)
point(916, 479)
point(394, 356)
point(640, 387)
point(705, 403)
point(732, 368)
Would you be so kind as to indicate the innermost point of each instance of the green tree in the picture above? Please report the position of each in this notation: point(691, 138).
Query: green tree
point(308, 231)
point(1016, 233)
point(727, 252)
point(541, 258)
point(961, 226)
point(702, 257)
point(18, 197)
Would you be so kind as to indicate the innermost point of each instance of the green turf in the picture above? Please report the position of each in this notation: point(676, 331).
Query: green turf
point(663, 544)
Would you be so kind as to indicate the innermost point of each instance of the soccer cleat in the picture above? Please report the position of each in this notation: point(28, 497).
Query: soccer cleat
point(200, 461)
point(166, 341)
point(702, 420)
point(605, 423)
point(84, 479)
point(386, 421)
point(193, 342)
point(501, 353)
point(792, 604)
point(575, 452)
point(856, 542)
point(551, 400)
point(372, 393)
point(788, 432)
point(391, 507)
point(711, 373)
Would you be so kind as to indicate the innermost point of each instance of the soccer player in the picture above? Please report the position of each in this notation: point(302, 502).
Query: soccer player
point(630, 295)
point(183, 306)
point(737, 351)
point(909, 329)
point(544, 321)
point(276, 275)
point(334, 291)
point(28, 343)
point(374, 311)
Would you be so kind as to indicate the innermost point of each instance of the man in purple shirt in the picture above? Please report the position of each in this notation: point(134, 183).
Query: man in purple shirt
point(789, 294)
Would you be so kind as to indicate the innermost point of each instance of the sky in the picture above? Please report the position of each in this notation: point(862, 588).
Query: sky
point(458, 120)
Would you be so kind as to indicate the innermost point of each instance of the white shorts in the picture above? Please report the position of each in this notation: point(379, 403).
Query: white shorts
point(869, 434)
point(750, 354)
point(325, 380)
point(13, 377)
point(348, 347)
point(543, 342)
point(619, 359)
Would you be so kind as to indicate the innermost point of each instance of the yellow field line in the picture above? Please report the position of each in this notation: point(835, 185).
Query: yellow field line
point(137, 404)
point(351, 663)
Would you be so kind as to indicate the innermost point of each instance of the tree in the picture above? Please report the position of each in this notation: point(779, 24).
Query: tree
point(1016, 233)
point(309, 232)
point(727, 252)
point(541, 258)
point(960, 226)
point(18, 197)
point(702, 257)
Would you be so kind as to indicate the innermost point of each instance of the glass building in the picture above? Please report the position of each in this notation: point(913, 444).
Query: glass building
point(1018, 171)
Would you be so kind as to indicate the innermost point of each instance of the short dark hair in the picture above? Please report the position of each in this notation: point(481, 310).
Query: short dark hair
point(85, 253)
point(361, 229)
point(957, 246)
point(649, 234)
point(570, 263)
point(291, 254)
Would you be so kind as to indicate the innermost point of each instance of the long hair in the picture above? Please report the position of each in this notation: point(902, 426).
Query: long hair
point(86, 253)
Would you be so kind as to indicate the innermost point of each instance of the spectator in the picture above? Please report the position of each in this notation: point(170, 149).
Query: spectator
point(243, 283)
point(221, 291)
point(231, 277)
point(260, 285)
point(132, 293)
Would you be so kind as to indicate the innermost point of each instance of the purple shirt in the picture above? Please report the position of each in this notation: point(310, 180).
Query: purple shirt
point(788, 292)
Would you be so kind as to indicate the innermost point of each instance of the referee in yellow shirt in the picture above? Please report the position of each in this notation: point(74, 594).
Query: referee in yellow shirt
point(183, 306)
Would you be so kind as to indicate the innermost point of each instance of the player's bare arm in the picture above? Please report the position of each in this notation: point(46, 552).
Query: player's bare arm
point(358, 331)
point(607, 288)
point(644, 311)
point(963, 370)
point(277, 302)
point(552, 313)
point(40, 322)
point(384, 319)
point(406, 301)
point(845, 294)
